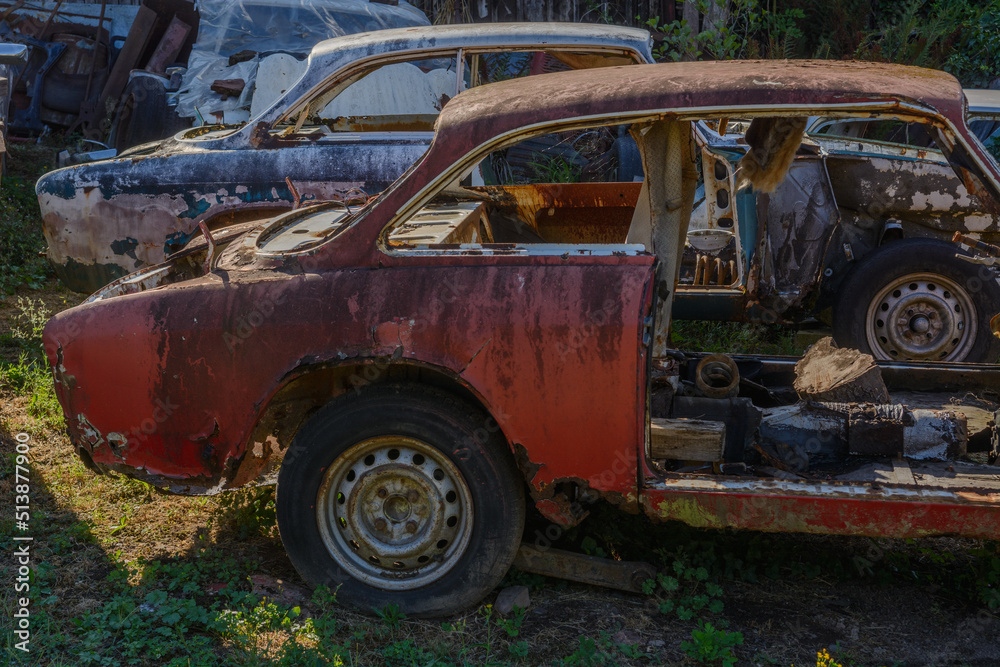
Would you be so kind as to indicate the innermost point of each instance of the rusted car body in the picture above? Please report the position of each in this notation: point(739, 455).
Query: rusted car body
point(402, 370)
point(852, 207)
point(105, 219)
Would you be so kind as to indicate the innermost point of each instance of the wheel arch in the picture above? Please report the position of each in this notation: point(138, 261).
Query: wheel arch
point(311, 386)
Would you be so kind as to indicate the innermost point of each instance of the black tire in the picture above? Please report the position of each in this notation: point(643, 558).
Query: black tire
point(912, 299)
point(412, 477)
point(143, 115)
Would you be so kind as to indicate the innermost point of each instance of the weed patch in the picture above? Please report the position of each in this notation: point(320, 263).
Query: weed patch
point(710, 645)
point(734, 337)
point(28, 374)
point(21, 240)
point(249, 511)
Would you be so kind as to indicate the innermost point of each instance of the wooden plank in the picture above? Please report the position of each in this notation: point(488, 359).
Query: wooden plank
point(135, 44)
point(622, 575)
point(687, 439)
point(169, 47)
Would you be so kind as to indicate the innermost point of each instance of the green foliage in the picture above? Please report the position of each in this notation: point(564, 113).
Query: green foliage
point(166, 619)
point(753, 29)
point(250, 511)
point(407, 654)
point(391, 616)
point(296, 655)
point(157, 628)
point(26, 331)
point(960, 36)
point(712, 645)
point(733, 337)
point(600, 652)
point(21, 238)
point(554, 169)
point(975, 55)
point(916, 36)
point(29, 375)
point(685, 590)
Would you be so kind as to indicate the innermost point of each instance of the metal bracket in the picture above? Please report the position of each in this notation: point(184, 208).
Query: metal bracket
point(979, 259)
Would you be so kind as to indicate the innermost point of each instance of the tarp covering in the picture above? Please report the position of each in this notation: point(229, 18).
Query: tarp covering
point(278, 26)
point(293, 26)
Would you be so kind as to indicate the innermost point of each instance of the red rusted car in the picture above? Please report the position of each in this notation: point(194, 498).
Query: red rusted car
point(413, 369)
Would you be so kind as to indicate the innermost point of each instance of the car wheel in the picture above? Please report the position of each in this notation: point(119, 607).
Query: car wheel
point(914, 300)
point(404, 495)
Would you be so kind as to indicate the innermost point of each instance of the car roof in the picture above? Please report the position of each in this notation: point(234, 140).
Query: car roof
point(982, 100)
point(474, 116)
point(333, 55)
point(472, 35)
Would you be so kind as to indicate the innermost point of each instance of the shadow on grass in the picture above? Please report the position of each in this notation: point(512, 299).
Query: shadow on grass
point(123, 575)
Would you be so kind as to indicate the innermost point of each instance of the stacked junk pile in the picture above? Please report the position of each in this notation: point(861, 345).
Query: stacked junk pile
point(122, 75)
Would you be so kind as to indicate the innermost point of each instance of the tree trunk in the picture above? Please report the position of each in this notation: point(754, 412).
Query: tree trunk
point(840, 375)
point(692, 17)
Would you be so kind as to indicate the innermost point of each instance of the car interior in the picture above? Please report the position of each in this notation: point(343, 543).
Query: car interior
point(578, 188)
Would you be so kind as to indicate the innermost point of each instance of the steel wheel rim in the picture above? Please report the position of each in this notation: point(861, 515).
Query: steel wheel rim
point(394, 512)
point(921, 316)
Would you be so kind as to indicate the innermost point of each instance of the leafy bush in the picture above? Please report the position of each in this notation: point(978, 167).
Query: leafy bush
point(250, 511)
point(975, 56)
point(712, 645)
point(959, 36)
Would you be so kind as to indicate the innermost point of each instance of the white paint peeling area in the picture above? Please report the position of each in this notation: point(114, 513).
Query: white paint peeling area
point(978, 223)
point(275, 75)
point(941, 201)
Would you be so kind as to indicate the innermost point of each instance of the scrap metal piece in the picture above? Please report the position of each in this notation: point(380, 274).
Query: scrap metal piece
point(808, 433)
point(773, 143)
point(717, 376)
point(622, 575)
point(211, 245)
point(170, 46)
point(296, 197)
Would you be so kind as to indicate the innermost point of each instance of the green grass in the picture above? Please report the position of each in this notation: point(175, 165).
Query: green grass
point(21, 240)
point(733, 337)
point(23, 367)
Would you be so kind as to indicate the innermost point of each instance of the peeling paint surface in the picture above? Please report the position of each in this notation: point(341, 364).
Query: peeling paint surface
point(865, 510)
point(157, 197)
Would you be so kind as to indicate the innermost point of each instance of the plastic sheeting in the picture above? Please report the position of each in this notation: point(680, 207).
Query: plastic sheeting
point(293, 27)
point(197, 96)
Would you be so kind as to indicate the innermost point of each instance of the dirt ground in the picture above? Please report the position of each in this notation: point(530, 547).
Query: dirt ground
point(868, 602)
